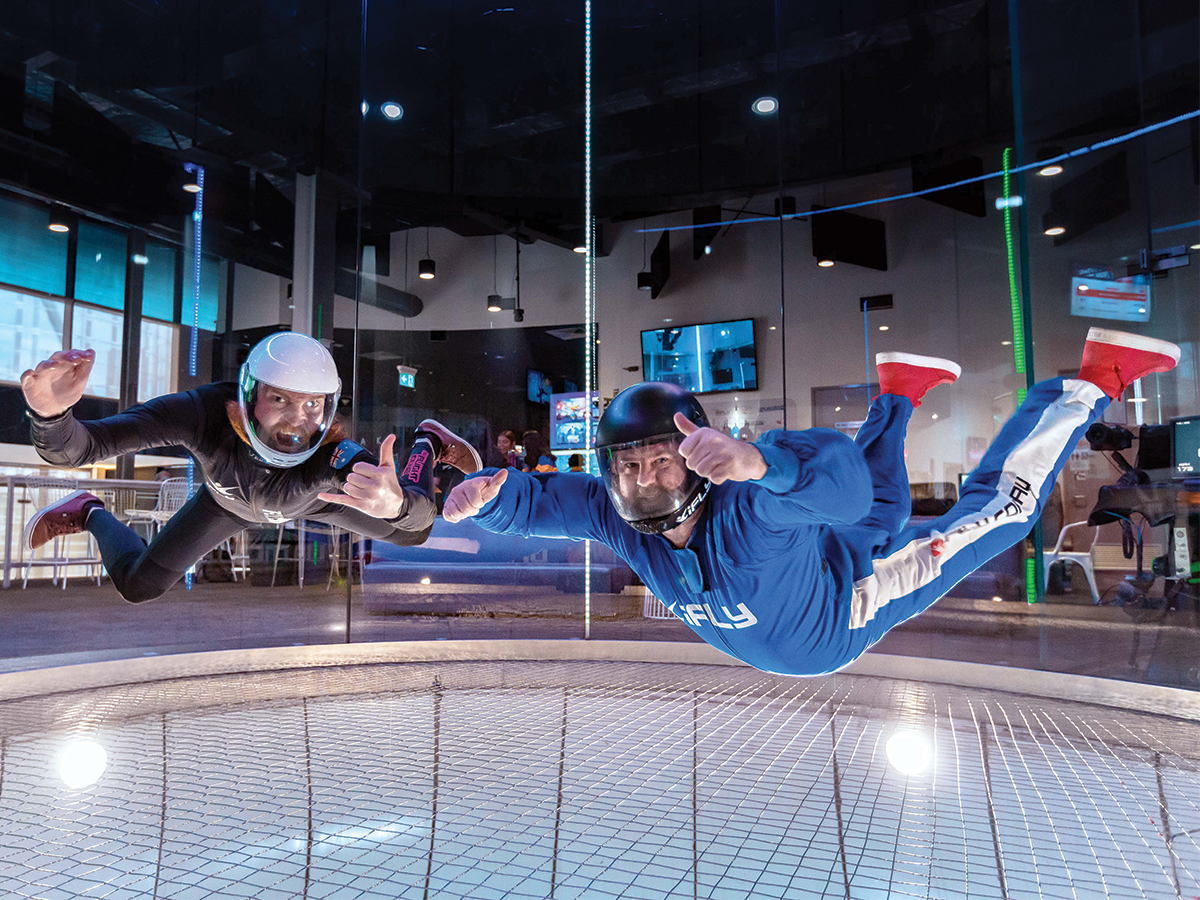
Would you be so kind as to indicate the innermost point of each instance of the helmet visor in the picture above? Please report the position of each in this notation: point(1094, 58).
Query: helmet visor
point(647, 479)
point(287, 424)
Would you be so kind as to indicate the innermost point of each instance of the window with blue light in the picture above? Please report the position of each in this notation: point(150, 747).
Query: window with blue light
point(100, 265)
point(210, 287)
point(100, 330)
point(158, 288)
point(35, 325)
point(31, 255)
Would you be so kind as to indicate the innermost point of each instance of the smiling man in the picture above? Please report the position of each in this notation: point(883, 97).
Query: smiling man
point(270, 450)
point(792, 553)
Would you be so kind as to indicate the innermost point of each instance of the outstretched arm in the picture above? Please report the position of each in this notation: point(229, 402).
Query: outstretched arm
point(57, 384)
point(567, 505)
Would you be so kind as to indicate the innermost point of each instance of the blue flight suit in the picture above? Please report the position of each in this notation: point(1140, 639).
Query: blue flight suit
point(800, 572)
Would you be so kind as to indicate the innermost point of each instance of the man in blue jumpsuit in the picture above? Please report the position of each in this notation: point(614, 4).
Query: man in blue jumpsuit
point(792, 554)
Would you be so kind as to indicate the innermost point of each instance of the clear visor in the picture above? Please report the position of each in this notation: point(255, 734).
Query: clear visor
point(647, 479)
point(287, 422)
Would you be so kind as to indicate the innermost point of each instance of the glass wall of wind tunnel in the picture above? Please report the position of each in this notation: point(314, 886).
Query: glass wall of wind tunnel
point(1107, 119)
point(470, 305)
point(170, 259)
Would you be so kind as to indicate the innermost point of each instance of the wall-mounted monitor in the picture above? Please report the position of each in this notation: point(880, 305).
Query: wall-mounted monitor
point(708, 358)
point(538, 388)
point(1185, 447)
point(568, 419)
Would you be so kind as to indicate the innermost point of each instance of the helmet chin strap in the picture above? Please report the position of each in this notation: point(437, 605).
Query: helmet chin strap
point(673, 520)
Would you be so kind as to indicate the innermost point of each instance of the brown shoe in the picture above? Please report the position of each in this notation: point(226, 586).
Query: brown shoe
point(65, 516)
point(455, 451)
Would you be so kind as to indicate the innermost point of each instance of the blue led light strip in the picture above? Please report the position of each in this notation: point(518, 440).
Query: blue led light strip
point(589, 292)
point(197, 219)
point(1040, 164)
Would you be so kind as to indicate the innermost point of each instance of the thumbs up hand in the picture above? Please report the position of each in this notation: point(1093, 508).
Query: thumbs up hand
point(716, 456)
point(471, 496)
point(374, 490)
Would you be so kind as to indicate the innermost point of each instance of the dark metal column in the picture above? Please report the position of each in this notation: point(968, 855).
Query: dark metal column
point(131, 332)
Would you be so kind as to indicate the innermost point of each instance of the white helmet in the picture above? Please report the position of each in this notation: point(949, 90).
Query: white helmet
point(299, 364)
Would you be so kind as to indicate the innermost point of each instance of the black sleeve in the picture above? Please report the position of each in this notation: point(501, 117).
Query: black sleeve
point(416, 514)
point(174, 419)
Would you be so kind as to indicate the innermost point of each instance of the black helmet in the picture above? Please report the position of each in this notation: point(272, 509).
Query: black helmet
point(635, 437)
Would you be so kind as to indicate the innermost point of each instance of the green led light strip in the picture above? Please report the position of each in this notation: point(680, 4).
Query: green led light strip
point(1014, 295)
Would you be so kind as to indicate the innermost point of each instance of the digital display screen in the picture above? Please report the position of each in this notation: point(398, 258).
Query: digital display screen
point(1185, 447)
point(568, 414)
point(538, 387)
point(1098, 298)
point(703, 359)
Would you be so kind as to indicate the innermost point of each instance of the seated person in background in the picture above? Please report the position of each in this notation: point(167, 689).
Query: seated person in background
point(575, 463)
point(792, 554)
point(504, 454)
point(537, 457)
point(269, 449)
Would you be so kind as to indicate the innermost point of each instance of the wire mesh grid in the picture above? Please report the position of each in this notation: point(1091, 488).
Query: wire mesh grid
point(588, 779)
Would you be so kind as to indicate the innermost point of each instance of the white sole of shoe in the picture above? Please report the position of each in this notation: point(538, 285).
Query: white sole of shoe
point(1133, 341)
point(37, 516)
point(924, 362)
point(439, 429)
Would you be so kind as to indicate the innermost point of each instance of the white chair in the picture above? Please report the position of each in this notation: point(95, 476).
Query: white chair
point(1085, 559)
point(62, 552)
point(172, 495)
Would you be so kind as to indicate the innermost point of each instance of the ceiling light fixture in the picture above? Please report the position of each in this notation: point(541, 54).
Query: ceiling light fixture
point(60, 220)
point(580, 249)
point(1051, 170)
point(825, 263)
point(1055, 231)
point(426, 268)
point(392, 110)
point(883, 328)
point(764, 106)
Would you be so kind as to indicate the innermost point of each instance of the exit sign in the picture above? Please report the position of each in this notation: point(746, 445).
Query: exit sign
point(408, 376)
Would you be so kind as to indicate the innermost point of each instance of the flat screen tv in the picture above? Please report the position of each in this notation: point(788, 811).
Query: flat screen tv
point(538, 387)
point(568, 418)
point(704, 359)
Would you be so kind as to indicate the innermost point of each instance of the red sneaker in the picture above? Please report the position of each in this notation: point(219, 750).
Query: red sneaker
point(65, 516)
point(1113, 360)
point(455, 451)
point(911, 376)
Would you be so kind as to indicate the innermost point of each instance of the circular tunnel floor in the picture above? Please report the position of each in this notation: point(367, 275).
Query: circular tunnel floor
point(589, 779)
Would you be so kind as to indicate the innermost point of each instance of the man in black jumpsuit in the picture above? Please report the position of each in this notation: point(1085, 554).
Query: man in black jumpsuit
point(338, 482)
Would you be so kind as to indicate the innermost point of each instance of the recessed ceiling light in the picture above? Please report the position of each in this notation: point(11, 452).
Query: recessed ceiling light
point(580, 249)
point(1054, 169)
point(883, 328)
point(392, 110)
point(1195, 247)
point(192, 188)
point(1055, 231)
point(771, 328)
point(366, 107)
point(935, 415)
point(668, 320)
point(764, 106)
point(825, 263)
point(1006, 343)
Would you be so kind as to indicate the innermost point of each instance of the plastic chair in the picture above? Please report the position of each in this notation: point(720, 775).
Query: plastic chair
point(1085, 559)
point(172, 495)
